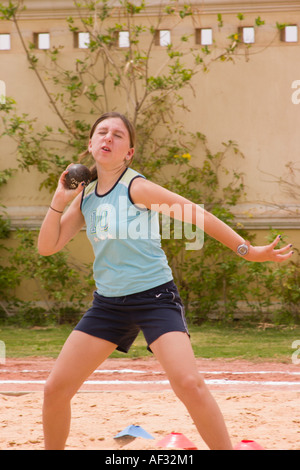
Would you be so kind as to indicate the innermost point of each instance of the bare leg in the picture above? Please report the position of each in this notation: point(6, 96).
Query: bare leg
point(80, 356)
point(174, 352)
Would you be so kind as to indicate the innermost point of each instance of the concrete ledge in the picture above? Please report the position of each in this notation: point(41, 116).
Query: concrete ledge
point(37, 9)
point(250, 216)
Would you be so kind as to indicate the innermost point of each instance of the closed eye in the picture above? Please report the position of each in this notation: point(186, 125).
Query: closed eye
point(116, 132)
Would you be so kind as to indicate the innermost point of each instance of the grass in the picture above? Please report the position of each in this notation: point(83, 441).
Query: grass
point(251, 343)
point(209, 341)
point(36, 341)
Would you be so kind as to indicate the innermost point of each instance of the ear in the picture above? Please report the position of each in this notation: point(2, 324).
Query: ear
point(130, 154)
point(90, 146)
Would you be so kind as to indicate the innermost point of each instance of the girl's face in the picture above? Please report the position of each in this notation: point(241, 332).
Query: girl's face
point(110, 144)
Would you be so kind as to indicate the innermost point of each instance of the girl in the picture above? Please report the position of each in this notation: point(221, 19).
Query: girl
point(134, 286)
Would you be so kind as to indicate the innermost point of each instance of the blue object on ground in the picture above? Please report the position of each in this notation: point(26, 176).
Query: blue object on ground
point(134, 431)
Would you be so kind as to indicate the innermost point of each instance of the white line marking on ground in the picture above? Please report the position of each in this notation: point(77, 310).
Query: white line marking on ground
point(160, 382)
point(132, 371)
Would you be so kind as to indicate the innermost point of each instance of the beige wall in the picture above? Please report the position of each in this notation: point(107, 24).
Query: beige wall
point(248, 101)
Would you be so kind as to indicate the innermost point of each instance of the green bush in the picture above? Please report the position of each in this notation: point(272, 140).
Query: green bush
point(61, 286)
point(212, 281)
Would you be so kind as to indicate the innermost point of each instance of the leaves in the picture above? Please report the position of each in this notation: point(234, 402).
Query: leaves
point(9, 12)
point(101, 77)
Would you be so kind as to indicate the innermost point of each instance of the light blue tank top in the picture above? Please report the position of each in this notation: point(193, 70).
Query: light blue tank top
point(125, 239)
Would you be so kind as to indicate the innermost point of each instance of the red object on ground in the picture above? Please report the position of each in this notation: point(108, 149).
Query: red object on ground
point(176, 440)
point(248, 445)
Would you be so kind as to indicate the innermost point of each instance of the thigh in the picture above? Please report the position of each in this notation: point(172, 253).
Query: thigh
point(79, 357)
point(175, 353)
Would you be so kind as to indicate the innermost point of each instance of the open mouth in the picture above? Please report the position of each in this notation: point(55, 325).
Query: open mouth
point(105, 149)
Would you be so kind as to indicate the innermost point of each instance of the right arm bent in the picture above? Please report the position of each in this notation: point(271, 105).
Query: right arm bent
point(58, 229)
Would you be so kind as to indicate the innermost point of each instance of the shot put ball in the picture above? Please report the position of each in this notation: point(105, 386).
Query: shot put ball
point(77, 174)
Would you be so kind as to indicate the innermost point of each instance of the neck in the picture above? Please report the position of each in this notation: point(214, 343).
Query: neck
point(108, 177)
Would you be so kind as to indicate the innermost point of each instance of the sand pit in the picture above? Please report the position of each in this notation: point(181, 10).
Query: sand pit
point(259, 401)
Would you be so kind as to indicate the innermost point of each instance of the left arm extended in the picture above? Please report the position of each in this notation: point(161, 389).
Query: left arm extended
point(155, 197)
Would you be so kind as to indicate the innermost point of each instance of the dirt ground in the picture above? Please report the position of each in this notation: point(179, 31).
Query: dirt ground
point(260, 402)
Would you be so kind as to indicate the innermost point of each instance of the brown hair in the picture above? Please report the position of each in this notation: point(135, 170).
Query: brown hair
point(103, 117)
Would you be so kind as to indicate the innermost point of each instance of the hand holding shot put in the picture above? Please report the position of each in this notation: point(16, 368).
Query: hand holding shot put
point(70, 185)
point(77, 174)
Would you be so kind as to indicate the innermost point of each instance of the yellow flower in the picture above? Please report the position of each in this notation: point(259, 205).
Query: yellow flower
point(176, 156)
point(187, 156)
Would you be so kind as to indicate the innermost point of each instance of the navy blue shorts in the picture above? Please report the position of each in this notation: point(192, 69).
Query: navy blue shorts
point(119, 319)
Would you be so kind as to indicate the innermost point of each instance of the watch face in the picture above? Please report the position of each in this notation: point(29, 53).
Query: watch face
point(243, 250)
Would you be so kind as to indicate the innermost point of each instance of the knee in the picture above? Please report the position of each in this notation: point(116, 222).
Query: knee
point(51, 391)
point(56, 391)
point(189, 386)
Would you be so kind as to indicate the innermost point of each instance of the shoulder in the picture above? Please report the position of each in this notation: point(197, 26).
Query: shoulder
point(146, 193)
point(129, 176)
point(149, 194)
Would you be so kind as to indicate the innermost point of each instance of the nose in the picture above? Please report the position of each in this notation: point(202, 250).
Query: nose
point(108, 137)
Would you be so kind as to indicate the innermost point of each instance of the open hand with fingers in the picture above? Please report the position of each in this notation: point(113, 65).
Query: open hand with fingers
point(269, 252)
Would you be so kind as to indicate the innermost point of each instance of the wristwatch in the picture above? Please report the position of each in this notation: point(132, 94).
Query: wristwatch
point(242, 250)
